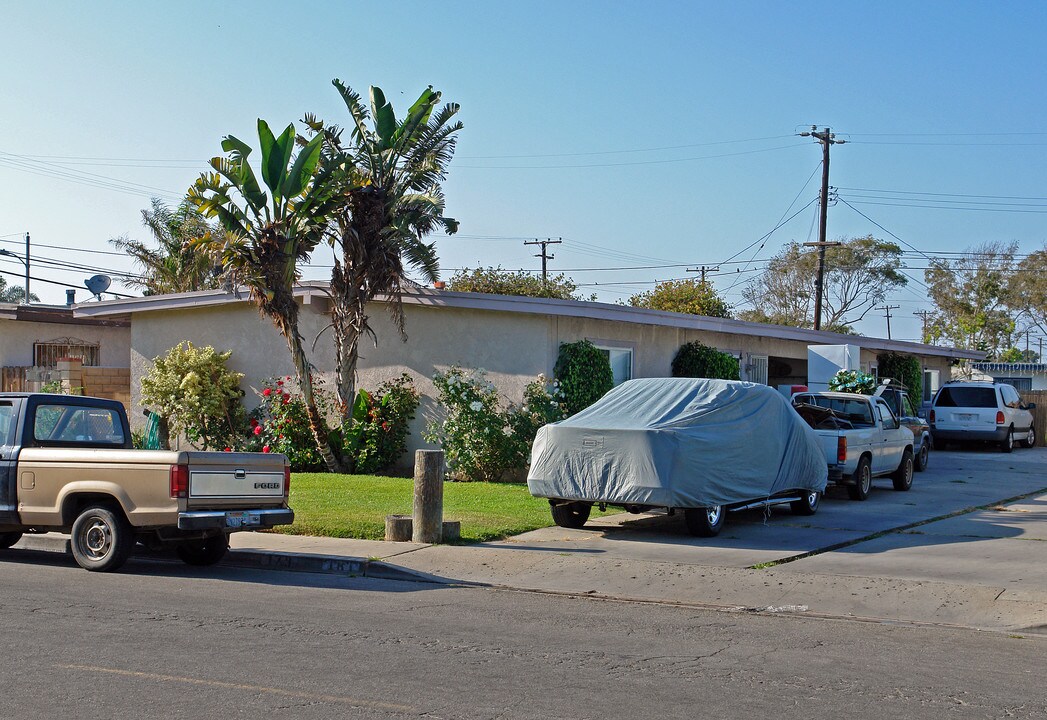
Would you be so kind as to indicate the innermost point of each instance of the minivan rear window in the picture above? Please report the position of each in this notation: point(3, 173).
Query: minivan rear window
point(972, 397)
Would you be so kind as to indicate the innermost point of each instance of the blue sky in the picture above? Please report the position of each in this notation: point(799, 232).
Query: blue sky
point(655, 133)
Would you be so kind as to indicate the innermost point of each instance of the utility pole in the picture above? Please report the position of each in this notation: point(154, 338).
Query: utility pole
point(27, 268)
point(827, 139)
point(923, 316)
point(544, 255)
point(887, 314)
point(704, 269)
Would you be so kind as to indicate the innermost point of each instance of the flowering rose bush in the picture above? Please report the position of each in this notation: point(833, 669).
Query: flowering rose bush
point(280, 423)
point(481, 438)
point(371, 440)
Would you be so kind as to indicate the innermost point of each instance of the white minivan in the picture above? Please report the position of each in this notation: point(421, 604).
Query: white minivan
point(985, 411)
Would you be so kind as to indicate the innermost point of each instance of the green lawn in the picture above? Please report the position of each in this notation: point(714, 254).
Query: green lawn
point(355, 506)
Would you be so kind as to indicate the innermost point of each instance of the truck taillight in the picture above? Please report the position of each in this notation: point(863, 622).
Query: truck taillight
point(179, 481)
point(931, 416)
point(841, 450)
point(1000, 420)
point(287, 481)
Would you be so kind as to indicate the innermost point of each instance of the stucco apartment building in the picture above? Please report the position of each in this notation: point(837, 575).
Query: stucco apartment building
point(512, 338)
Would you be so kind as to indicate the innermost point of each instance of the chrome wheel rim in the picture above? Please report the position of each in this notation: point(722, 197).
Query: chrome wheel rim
point(812, 499)
point(713, 514)
point(1010, 439)
point(96, 540)
point(924, 455)
point(866, 479)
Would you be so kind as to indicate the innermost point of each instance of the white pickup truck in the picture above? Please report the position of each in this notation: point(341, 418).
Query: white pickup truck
point(861, 437)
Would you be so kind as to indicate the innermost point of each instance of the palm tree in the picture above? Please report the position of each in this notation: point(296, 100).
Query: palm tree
point(14, 293)
point(389, 175)
point(266, 238)
point(175, 265)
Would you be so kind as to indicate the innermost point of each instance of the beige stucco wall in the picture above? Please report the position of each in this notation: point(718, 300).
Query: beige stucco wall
point(512, 347)
point(17, 338)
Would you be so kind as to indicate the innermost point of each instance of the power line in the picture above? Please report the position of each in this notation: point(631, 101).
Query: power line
point(626, 164)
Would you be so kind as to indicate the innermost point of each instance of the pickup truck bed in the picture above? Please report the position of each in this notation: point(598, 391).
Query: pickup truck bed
point(66, 465)
point(861, 439)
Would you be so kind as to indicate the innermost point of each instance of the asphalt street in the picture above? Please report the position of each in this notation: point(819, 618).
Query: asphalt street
point(165, 641)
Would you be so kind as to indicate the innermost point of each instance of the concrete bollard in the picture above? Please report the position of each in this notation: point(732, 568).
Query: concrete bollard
point(428, 496)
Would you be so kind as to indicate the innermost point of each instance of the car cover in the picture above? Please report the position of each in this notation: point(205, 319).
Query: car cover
point(678, 442)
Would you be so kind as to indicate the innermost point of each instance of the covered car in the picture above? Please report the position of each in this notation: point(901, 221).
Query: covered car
point(698, 445)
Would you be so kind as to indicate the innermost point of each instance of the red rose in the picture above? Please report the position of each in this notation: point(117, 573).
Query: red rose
point(257, 429)
point(279, 383)
point(254, 423)
point(228, 450)
point(287, 399)
point(267, 392)
point(265, 448)
point(385, 426)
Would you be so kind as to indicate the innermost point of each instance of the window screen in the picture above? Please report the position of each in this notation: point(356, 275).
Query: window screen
point(7, 423)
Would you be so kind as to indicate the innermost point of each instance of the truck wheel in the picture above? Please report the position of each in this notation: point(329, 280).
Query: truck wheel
point(806, 505)
point(902, 477)
point(862, 480)
point(1031, 440)
point(704, 522)
point(920, 464)
point(8, 539)
point(102, 539)
point(207, 551)
point(570, 515)
point(1007, 444)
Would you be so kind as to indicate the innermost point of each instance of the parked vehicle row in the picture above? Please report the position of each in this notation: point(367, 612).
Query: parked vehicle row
point(705, 447)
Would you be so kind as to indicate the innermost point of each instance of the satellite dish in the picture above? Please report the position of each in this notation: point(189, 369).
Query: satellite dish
point(98, 284)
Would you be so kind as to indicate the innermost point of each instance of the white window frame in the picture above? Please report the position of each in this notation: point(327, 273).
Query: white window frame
point(617, 349)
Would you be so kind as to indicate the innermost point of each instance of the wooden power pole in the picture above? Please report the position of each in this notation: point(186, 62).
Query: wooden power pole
point(827, 139)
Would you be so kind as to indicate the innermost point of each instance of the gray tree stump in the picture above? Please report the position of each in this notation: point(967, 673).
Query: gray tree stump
point(398, 528)
point(428, 496)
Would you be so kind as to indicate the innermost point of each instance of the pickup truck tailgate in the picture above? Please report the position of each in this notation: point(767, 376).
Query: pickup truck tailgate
point(216, 478)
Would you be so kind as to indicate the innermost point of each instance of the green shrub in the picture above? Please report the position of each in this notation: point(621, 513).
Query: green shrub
point(853, 381)
point(905, 368)
point(695, 360)
point(584, 375)
point(376, 441)
point(483, 439)
point(197, 394)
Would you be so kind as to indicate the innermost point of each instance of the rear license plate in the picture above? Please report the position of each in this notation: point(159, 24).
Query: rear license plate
point(242, 519)
point(966, 417)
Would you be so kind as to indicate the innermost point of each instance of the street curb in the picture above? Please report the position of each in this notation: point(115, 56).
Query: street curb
point(258, 559)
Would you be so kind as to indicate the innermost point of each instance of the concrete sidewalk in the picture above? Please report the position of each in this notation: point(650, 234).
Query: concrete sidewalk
point(946, 553)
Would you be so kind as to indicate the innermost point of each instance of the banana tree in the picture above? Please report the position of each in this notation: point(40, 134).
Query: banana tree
point(268, 235)
point(389, 176)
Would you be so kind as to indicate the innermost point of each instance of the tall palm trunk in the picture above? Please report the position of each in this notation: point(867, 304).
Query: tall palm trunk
point(317, 423)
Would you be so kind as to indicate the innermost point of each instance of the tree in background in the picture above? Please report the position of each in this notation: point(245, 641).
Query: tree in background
point(693, 296)
point(972, 298)
point(387, 179)
point(175, 264)
point(505, 282)
point(1028, 289)
point(858, 275)
point(14, 293)
point(268, 236)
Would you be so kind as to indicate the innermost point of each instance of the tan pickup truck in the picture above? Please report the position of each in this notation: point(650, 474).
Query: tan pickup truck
point(66, 465)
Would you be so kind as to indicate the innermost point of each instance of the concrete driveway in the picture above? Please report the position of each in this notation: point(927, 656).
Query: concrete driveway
point(965, 546)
